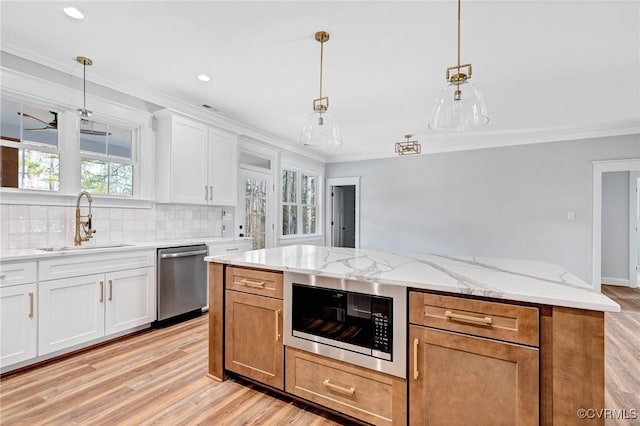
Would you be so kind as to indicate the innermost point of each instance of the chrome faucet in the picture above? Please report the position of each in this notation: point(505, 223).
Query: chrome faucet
point(85, 225)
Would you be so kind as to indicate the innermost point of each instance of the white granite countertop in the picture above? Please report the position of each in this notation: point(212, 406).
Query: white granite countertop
point(89, 248)
point(510, 279)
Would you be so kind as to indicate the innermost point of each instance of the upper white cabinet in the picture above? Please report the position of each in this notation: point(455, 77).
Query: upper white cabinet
point(196, 163)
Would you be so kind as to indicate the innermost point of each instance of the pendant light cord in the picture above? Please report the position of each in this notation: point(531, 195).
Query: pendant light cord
point(84, 85)
point(321, 57)
point(459, 36)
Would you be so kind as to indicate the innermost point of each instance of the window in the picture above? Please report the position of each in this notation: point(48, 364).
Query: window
point(106, 165)
point(299, 203)
point(29, 156)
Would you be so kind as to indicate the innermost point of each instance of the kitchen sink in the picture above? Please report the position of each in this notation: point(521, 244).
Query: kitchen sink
point(88, 247)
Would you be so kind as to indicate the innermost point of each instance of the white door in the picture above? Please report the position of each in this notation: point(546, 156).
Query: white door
point(254, 213)
point(189, 161)
point(18, 323)
point(71, 312)
point(223, 168)
point(130, 299)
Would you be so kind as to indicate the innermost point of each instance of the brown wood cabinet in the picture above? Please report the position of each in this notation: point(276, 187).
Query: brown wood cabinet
point(461, 374)
point(456, 379)
point(365, 394)
point(253, 340)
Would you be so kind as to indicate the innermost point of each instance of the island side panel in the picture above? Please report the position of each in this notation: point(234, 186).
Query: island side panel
point(216, 321)
point(578, 365)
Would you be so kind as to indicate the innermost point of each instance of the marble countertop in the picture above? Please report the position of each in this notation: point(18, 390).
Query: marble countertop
point(89, 248)
point(510, 279)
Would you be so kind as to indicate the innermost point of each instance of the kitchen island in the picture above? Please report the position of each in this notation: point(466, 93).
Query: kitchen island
point(508, 341)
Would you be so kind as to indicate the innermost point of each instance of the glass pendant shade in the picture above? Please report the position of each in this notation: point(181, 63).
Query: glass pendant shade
point(320, 131)
point(459, 111)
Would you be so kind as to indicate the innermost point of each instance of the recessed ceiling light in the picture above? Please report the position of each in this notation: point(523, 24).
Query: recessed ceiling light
point(204, 77)
point(73, 13)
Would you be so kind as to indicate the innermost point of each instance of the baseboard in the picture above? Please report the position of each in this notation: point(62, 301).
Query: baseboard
point(615, 281)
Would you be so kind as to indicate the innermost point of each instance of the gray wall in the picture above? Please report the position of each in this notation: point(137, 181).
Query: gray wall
point(502, 202)
point(615, 225)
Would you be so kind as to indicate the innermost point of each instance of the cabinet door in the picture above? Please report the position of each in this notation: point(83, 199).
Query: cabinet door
point(189, 182)
point(18, 326)
point(130, 299)
point(253, 339)
point(71, 312)
point(223, 168)
point(456, 379)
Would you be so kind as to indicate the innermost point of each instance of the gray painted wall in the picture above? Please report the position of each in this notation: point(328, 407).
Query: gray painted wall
point(502, 202)
point(615, 225)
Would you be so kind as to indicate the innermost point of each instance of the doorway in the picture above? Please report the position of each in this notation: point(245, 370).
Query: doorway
point(343, 212)
point(254, 215)
point(599, 168)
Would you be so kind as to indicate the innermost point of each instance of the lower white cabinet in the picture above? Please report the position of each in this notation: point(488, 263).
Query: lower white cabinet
point(80, 309)
point(130, 299)
point(18, 323)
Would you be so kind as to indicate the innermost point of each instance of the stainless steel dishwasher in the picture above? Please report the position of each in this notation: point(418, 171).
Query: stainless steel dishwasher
point(182, 280)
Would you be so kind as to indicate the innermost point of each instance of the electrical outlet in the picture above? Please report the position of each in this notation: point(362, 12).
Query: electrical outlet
point(571, 215)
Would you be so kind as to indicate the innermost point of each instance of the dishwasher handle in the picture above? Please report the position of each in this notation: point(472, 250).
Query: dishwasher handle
point(183, 254)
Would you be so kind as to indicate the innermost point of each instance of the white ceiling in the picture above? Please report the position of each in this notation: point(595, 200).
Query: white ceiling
point(549, 70)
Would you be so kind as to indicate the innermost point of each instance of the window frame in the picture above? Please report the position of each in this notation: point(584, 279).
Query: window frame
point(27, 144)
point(300, 171)
point(108, 160)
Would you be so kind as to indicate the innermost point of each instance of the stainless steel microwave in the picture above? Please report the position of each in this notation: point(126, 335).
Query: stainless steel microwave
point(363, 323)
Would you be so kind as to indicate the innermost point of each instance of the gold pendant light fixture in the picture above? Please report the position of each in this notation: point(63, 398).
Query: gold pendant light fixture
point(460, 105)
point(84, 112)
point(321, 129)
point(408, 147)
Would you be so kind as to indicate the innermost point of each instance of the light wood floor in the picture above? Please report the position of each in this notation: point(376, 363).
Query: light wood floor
point(622, 352)
point(159, 378)
point(154, 378)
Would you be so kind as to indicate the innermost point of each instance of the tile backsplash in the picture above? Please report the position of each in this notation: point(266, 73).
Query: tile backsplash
point(35, 226)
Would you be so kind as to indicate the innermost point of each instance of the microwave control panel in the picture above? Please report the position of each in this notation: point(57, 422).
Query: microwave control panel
point(381, 316)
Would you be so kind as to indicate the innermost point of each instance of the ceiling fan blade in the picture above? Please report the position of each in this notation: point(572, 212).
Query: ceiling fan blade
point(52, 125)
point(41, 128)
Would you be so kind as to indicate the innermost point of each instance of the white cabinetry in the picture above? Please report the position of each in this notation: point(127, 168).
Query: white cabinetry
point(94, 296)
point(18, 316)
point(196, 163)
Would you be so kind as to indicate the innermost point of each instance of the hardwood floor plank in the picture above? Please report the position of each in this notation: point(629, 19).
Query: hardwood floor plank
point(622, 353)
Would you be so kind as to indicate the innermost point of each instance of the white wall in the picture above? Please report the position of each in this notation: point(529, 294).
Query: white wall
point(502, 202)
point(615, 227)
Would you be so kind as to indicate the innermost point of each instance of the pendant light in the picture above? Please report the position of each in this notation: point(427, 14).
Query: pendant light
point(321, 129)
point(460, 105)
point(409, 147)
point(84, 112)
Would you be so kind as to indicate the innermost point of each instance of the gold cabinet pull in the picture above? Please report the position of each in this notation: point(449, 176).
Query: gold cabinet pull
point(416, 373)
point(277, 325)
point(468, 318)
point(110, 289)
point(101, 291)
point(30, 305)
point(252, 283)
point(206, 192)
point(347, 391)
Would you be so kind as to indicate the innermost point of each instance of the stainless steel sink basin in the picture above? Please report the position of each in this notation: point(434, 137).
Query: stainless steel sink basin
point(87, 247)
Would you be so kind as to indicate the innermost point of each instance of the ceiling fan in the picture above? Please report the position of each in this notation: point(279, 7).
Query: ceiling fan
point(53, 125)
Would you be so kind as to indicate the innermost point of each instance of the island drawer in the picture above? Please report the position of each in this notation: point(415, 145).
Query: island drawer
point(365, 394)
point(264, 283)
point(502, 321)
